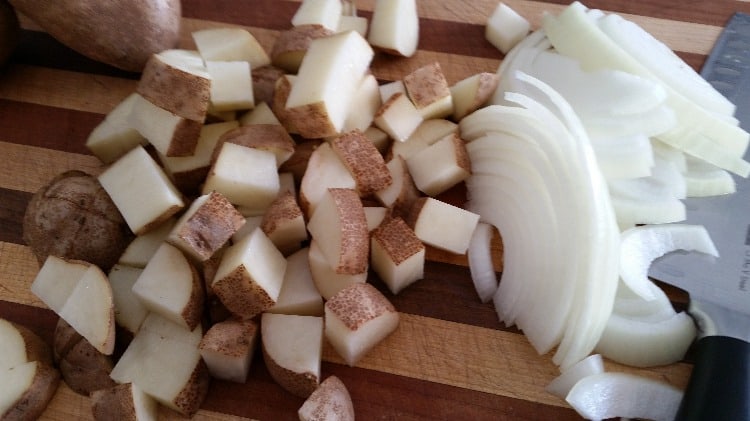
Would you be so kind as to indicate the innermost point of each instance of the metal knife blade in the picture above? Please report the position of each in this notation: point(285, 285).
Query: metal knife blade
point(719, 387)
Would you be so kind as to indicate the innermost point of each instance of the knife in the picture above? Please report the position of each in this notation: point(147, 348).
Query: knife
point(719, 288)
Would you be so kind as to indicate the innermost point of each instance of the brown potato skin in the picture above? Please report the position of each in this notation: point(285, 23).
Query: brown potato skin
point(121, 33)
point(83, 368)
point(113, 403)
point(9, 31)
point(33, 403)
point(73, 217)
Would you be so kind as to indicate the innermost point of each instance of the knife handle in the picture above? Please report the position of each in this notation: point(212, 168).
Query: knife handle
point(719, 386)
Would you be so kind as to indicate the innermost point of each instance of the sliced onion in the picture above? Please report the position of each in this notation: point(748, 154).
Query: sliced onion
point(703, 179)
point(631, 306)
point(642, 343)
point(480, 262)
point(664, 63)
point(612, 394)
point(639, 247)
point(560, 386)
point(624, 157)
point(699, 131)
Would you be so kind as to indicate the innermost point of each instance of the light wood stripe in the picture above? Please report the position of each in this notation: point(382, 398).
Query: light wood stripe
point(64, 89)
point(67, 405)
point(27, 168)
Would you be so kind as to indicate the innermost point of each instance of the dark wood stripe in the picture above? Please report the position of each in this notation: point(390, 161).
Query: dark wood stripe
point(53, 128)
point(40, 49)
point(12, 207)
point(435, 35)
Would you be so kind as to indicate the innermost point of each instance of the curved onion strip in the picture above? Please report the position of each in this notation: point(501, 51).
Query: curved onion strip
point(611, 395)
point(703, 179)
point(639, 246)
point(523, 186)
point(641, 343)
point(560, 386)
point(631, 306)
point(481, 267)
point(599, 260)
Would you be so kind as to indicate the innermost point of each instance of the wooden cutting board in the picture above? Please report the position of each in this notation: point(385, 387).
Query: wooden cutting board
point(450, 358)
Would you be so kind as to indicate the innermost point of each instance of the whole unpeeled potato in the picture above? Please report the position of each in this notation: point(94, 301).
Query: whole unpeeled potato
point(9, 31)
point(121, 33)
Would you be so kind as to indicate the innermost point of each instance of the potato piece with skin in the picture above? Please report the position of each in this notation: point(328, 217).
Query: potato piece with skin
point(429, 132)
point(228, 347)
point(171, 286)
point(189, 172)
point(398, 117)
point(292, 44)
point(123, 402)
point(19, 344)
point(298, 293)
point(326, 13)
point(231, 85)
point(375, 216)
point(250, 275)
point(472, 93)
point(379, 139)
point(292, 350)
point(26, 390)
point(505, 28)
point(284, 224)
point(206, 226)
point(163, 360)
point(402, 193)
point(261, 114)
point(324, 170)
point(264, 83)
point(79, 293)
point(440, 166)
point(339, 226)
point(266, 137)
point(83, 368)
point(397, 256)
point(363, 160)
point(281, 92)
point(177, 81)
point(330, 402)
point(394, 28)
point(245, 176)
point(141, 190)
point(126, 33)
point(129, 310)
point(114, 136)
point(143, 247)
point(72, 216)
point(387, 90)
point(442, 225)
point(357, 318)
point(429, 91)
point(365, 105)
point(327, 83)
point(169, 133)
point(230, 44)
point(327, 281)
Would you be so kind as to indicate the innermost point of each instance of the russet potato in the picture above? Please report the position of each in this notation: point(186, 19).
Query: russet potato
point(126, 32)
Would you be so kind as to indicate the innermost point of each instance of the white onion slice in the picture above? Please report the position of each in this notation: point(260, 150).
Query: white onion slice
point(703, 179)
point(699, 131)
point(631, 306)
point(624, 157)
point(560, 386)
point(641, 343)
point(480, 262)
point(639, 246)
point(664, 63)
point(613, 394)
